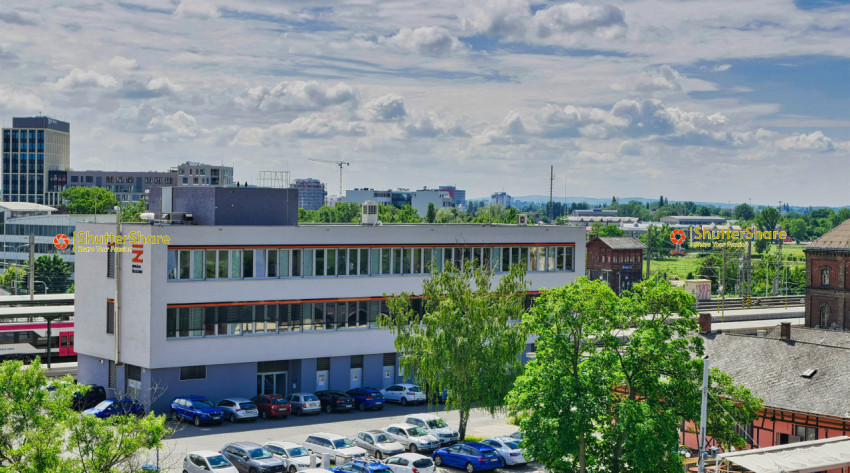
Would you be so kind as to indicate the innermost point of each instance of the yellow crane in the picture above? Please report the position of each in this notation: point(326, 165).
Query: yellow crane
point(338, 163)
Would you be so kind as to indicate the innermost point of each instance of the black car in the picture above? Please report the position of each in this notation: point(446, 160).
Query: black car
point(335, 401)
point(94, 396)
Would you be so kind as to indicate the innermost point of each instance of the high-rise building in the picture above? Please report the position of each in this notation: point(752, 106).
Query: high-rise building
point(458, 195)
point(501, 198)
point(33, 149)
point(311, 193)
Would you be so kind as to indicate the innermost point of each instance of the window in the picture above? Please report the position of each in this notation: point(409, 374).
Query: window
point(824, 276)
point(823, 316)
point(110, 317)
point(110, 261)
point(806, 433)
point(148, 180)
point(746, 432)
point(193, 372)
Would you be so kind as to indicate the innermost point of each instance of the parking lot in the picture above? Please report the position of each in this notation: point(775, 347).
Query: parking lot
point(187, 437)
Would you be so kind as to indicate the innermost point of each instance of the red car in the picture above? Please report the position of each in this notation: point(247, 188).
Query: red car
point(272, 405)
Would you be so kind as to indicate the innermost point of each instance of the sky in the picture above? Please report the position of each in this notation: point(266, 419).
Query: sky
point(721, 101)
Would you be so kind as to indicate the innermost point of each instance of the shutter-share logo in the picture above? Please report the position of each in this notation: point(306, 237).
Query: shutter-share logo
point(677, 236)
point(61, 241)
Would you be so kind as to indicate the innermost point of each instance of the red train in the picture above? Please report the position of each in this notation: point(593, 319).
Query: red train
point(26, 340)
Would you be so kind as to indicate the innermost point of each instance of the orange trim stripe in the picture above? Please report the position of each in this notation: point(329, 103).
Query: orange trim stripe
point(274, 247)
point(294, 301)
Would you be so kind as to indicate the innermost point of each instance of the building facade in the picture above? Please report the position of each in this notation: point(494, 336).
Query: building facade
point(458, 195)
point(615, 260)
point(593, 213)
point(193, 173)
point(220, 308)
point(33, 149)
point(501, 198)
point(692, 220)
point(311, 193)
point(128, 186)
point(419, 200)
point(828, 280)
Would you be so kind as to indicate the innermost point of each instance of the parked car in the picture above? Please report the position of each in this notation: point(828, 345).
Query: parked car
point(94, 396)
point(296, 457)
point(403, 394)
point(249, 457)
point(517, 435)
point(360, 466)
point(410, 463)
point(335, 401)
point(472, 456)
point(272, 405)
point(340, 448)
point(509, 448)
point(204, 461)
point(111, 407)
point(304, 403)
point(238, 408)
point(413, 438)
point(367, 398)
point(198, 409)
point(378, 443)
point(435, 426)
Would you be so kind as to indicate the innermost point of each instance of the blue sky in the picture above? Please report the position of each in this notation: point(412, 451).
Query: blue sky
point(699, 100)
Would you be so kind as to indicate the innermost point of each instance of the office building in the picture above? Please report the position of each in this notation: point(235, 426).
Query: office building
point(458, 195)
point(419, 200)
point(501, 198)
point(193, 173)
point(128, 186)
point(311, 193)
point(593, 213)
point(243, 300)
point(33, 149)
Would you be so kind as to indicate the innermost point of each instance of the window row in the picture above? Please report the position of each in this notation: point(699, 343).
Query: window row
point(294, 263)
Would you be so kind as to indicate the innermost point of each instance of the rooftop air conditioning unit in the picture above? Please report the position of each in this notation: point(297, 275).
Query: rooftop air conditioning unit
point(522, 219)
point(369, 213)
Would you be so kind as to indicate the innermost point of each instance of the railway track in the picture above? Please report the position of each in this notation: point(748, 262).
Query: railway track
point(795, 300)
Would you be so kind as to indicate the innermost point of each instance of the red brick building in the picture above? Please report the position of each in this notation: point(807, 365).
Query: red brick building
point(828, 280)
point(617, 260)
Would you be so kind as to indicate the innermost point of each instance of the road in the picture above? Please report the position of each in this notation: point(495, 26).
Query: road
point(187, 437)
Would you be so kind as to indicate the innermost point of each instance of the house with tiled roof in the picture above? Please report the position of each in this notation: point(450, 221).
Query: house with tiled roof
point(615, 260)
point(828, 280)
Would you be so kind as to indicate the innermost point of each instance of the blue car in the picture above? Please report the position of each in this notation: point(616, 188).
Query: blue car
point(360, 466)
point(197, 409)
point(111, 407)
point(367, 398)
point(472, 456)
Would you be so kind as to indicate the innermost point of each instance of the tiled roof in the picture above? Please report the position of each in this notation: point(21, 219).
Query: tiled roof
point(817, 336)
point(836, 239)
point(772, 369)
point(622, 243)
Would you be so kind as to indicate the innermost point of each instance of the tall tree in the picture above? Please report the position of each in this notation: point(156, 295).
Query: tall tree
point(133, 212)
point(54, 272)
point(600, 229)
point(767, 221)
point(407, 214)
point(466, 339)
point(89, 200)
point(744, 212)
point(431, 214)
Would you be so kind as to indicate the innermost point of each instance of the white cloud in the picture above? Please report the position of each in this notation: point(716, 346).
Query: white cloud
point(605, 21)
point(721, 68)
point(298, 95)
point(179, 126)
point(162, 85)
point(426, 40)
point(17, 100)
point(429, 125)
point(121, 62)
point(201, 9)
point(511, 131)
point(385, 108)
point(82, 78)
point(507, 18)
point(663, 79)
point(814, 141)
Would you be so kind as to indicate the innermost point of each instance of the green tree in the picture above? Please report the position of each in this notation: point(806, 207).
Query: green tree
point(82, 200)
point(744, 212)
point(54, 272)
point(133, 212)
point(12, 274)
point(766, 221)
point(600, 229)
point(797, 229)
point(407, 214)
point(711, 267)
point(466, 339)
point(347, 212)
point(431, 214)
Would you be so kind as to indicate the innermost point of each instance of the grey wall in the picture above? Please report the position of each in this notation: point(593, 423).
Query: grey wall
point(222, 381)
point(232, 205)
point(372, 366)
point(340, 373)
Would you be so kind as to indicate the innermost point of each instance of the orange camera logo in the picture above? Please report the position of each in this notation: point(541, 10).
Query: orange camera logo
point(677, 236)
point(61, 241)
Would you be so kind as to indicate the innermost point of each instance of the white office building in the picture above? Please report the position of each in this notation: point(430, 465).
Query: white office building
point(236, 305)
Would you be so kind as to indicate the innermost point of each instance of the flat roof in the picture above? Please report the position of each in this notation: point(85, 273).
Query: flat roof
point(800, 457)
point(26, 207)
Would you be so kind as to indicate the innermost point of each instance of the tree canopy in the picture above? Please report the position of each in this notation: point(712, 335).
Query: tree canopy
point(82, 200)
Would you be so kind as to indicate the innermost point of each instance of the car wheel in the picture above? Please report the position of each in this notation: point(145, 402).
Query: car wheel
point(403, 401)
point(174, 416)
point(361, 406)
point(264, 415)
point(378, 455)
point(470, 468)
point(232, 418)
point(184, 471)
point(292, 469)
point(413, 448)
point(438, 460)
point(197, 421)
point(329, 409)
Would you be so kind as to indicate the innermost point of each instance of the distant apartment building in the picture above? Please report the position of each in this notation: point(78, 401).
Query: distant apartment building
point(199, 174)
point(501, 198)
point(128, 186)
point(419, 200)
point(33, 149)
point(593, 213)
point(692, 220)
point(458, 195)
point(311, 193)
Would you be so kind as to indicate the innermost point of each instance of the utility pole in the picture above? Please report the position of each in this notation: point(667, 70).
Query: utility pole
point(551, 204)
point(703, 414)
point(648, 248)
point(31, 279)
point(723, 287)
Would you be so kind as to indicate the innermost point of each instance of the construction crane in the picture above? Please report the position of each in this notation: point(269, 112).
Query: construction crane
point(338, 163)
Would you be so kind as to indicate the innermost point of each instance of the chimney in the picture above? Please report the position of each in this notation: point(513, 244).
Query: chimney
point(785, 331)
point(704, 322)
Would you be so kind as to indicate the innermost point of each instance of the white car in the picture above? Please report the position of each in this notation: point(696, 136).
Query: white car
point(296, 457)
point(434, 425)
point(403, 394)
point(341, 449)
point(237, 408)
point(205, 461)
point(508, 448)
point(413, 438)
point(378, 443)
point(410, 463)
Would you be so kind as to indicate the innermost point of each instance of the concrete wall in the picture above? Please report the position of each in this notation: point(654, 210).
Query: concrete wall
point(222, 381)
point(231, 205)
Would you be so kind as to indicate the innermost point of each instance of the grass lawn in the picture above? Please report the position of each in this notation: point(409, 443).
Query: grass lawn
point(682, 265)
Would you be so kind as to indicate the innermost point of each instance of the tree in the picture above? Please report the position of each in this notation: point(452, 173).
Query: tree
point(797, 229)
point(431, 214)
point(54, 272)
point(600, 229)
point(407, 214)
point(133, 212)
point(82, 200)
point(12, 274)
point(465, 340)
point(744, 212)
point(767, 221)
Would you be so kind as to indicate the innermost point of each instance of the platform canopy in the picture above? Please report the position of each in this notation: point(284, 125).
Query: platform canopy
point(799, 457)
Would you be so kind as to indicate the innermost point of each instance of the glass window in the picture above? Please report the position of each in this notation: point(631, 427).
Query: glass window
point(375, 263)
point(568, 258)
point(331, 262)
point(406, 260)
point(447, 257)
point(170, 323)
point(172, 264)
point(427, 256)
point(523, 255)
point(282, 311)
point(417, 261)
point(185, 264)
point(198, 264)
point(374, 312)
point(296, 263)
point(342, 261)
point(211, 264)
point(235, 264)
point(271, 264)
point(210, 321)
point(308, 263)
point(299, 317)
point(385, 261)
point(284, 263)
point(330, 315)
point(396, 261)
point(318, 316)
point(559, 258)
point(247, 263)
point(496, 258)
point(196, 321)
point(320, 262)
point(259, 263)
point(437, 261)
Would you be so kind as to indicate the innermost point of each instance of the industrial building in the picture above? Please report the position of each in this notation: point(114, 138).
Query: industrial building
point(244, 300)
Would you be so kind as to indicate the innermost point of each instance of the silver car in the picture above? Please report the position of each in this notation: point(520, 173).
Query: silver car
point(296, 457)
point(378, 443)
point(238, 408)
point(204, 461)
point(413, 438)
point(304, 403)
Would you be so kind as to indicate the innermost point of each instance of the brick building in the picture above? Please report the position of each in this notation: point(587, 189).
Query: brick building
point(828, 280)
point(617, 260)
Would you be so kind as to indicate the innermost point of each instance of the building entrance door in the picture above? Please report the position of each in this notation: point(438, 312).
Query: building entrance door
point(272, 383)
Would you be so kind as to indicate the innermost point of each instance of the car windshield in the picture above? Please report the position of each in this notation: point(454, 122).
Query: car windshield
point(297, 452)
point(218, 461)
point(310, 397)
point(381, 470)
point(423, 463)
point(259, 453)
point(248, 405)
point(513, 445)
point(384, 438)
point(201, 404)
point(103, 405)
point(489, 454)
point(437, 424)
point(413, 388)
point(342, 443)
point(280, 401)
point(416, 432)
